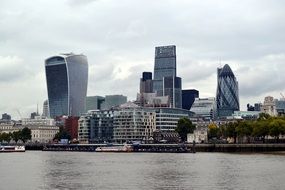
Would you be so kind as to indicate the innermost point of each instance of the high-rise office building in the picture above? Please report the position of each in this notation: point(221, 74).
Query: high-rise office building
point(45, 109)
point(188, 98)
point(67, 77)
point(146, 83)
point(280, 106)
point(6, 117)
point(113, 101)
point(257, 106)
point(165, 82)
point(172, 89)
point(205, 108)
point(227, 92)
point(94, 103)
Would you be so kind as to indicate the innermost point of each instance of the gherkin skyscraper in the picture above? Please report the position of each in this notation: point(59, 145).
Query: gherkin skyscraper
point(227, 92)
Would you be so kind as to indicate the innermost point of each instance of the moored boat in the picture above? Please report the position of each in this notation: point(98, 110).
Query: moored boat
point(124, 148)
point(12, 148)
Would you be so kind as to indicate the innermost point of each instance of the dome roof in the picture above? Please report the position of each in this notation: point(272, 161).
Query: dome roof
point(227, 71)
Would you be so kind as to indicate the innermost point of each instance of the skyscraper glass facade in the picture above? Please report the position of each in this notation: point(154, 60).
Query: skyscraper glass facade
point(45, 109)
point(146, 83)
point(227, 92)
point(165, 82)
point(164, 66)
point(205, 108)
point(67, 77)
point(113, 101)
point(94, 103)
point(173, 91)
point(188, 97)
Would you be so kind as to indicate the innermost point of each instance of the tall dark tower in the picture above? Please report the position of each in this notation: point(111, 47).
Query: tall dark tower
point(67, 77)
point(227, 92)
point(188, 98)
point(165, 82)
point(146, 83)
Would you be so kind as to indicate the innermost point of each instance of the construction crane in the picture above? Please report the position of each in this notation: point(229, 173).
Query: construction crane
point(19, 113)
point(282, 96)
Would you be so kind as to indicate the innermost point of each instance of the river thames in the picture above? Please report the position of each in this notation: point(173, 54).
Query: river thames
point(87, 170)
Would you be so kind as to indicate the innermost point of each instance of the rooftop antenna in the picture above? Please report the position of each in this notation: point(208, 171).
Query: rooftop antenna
point(37, 108)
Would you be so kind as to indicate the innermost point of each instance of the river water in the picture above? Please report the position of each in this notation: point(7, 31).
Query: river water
point(86, 170)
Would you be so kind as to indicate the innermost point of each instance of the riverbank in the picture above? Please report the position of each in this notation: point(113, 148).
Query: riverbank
point(239, 147)
point(175, 148)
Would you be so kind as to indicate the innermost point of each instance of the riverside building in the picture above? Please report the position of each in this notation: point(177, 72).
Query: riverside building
point(38, 120)
point(128, 122)
point(167, 118)
point(39, 133)
point(96, 126)
point(43, 134)
point(134, 123)
point(67, 76)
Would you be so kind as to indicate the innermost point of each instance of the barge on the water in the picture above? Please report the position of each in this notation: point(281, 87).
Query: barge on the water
point(12, 148)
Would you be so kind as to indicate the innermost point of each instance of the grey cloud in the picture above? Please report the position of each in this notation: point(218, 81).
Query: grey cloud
point(121, 35)
point(263, 76)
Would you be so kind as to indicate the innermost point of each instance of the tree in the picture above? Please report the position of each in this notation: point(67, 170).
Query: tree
point(244, 129)
point(276, 128)
point(16, 136)
point(6, 137)
point(263, 116)
point(222, 131)
point(25, 134)
point(62, 134)
point(213, 130)
point(260, 129)
point(184, 126)
point(231, 130)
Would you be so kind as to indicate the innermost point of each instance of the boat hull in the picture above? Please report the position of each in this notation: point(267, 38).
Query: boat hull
point(7, 149)
point(115, 149)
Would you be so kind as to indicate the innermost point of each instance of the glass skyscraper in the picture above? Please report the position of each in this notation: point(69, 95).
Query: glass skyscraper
point(165, 82)
point(227, 92)
point(188, 98)
point(146, 83)
point(67, 77)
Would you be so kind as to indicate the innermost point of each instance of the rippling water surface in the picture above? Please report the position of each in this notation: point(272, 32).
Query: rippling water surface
point(83, 170)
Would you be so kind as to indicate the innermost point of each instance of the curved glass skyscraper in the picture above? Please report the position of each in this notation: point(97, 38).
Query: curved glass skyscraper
point(67, 77)
point(227, 92)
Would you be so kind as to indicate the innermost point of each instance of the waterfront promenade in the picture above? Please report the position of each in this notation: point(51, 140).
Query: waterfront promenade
point(174, 148)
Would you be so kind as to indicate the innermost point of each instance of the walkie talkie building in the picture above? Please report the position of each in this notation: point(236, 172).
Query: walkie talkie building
point(67, 77)
point(227, 92)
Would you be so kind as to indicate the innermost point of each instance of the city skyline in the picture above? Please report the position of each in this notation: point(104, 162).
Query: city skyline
point(120, 47)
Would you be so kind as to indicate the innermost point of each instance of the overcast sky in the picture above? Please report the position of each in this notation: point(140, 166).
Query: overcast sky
point(119, 36)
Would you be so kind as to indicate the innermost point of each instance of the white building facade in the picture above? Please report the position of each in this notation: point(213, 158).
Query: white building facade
point(133, 123)
point(39, 120)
